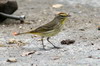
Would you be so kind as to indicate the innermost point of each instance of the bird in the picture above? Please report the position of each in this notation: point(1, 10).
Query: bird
point(50, 29)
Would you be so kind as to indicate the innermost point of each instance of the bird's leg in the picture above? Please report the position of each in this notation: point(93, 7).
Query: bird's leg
point(43, 43)
point(52, 43)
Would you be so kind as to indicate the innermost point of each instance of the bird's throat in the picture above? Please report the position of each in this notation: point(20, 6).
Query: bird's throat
point(63, 20)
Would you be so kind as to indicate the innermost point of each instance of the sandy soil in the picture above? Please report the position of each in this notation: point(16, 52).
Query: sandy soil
point(81, 27)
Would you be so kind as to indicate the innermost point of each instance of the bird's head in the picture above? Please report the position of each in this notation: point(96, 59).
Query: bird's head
point(61, 17)
point(61, 14)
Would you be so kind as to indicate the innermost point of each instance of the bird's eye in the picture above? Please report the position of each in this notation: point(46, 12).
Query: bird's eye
point(63, 16)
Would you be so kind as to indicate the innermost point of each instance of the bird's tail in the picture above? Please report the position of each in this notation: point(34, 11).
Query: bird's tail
point(21, 33)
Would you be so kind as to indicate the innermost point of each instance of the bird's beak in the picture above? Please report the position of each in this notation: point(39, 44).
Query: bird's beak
point(68, 15)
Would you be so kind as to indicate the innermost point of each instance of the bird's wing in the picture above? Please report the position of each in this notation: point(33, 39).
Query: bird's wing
point(47, 27)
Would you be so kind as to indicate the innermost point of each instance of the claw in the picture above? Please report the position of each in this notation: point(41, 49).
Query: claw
point(57, 47)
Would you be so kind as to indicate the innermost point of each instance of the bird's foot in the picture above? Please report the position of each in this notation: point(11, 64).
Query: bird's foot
point(44, 49)
point(55, 47)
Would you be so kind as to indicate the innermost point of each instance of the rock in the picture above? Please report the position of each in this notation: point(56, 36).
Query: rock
point(67, 42)
point(7, 7)
point(12, 60)
point(28, 53)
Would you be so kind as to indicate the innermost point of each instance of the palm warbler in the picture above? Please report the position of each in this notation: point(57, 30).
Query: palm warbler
point(50, 29)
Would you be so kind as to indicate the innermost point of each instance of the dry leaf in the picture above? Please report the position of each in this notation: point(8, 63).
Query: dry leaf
point(28, 22)
point(11, 41)
point(27, 53)
point(55, 58)
point(14, 41)
point(12, 60)
point(57, 5)
point(20, 43)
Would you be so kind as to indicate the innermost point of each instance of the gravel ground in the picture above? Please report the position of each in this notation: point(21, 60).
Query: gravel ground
point(81, 27)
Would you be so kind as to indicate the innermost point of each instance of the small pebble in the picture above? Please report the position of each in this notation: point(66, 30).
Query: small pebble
point(90, 57)
point(56, 58)
point(81, 29)
point(20, 27)
point(98, 49)
point(57, 5)
point(27, 53)
point(67, 42)
point(98, 27)
point(38, 53)
point(92, 43)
